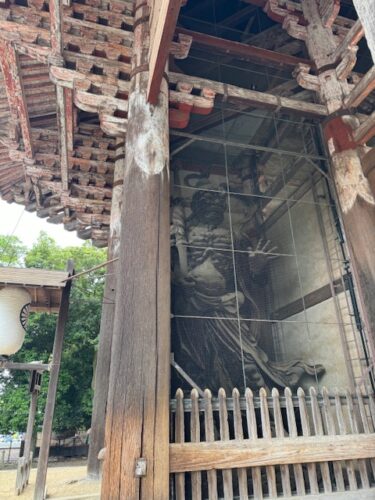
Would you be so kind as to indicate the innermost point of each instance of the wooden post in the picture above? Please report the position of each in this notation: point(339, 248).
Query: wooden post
point(358, 215)
point(34, 390)
point(40, 484)
point(106, 324)
point(355, 199)
point(30, 424)
point(366, 14)
point(137, 423)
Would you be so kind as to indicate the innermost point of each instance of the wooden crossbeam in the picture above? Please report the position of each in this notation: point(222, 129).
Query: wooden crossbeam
point(351, 39)
point(252, 97)
point(219, 455)
point(366, 130)
point(311, 299)
point(15, 94)
point(163, 19)
point(361, 90)
point(244, 51)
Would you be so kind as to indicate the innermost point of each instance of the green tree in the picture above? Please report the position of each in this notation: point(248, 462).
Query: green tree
point(12, 251)
point(74, 394)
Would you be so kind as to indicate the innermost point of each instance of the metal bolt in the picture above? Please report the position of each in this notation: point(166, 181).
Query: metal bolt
point(140, 467)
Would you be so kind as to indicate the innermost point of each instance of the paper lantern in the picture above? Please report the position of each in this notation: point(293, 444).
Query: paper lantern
point(14, 312)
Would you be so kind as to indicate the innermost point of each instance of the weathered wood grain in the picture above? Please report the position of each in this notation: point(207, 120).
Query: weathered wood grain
point(224, 436)
point(180, 438)
point(279, 428)
point(196, 477)
point(238, 434)
point(221, 455)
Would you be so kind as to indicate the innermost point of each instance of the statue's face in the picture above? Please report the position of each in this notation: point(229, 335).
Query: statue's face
point(209, 208)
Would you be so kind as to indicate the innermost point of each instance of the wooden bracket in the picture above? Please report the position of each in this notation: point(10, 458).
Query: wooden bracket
point(329, 10)
point(183, 103)
point(304, 79)
point(181, 48)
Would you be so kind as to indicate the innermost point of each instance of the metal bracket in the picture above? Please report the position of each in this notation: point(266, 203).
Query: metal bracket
point(140, 467)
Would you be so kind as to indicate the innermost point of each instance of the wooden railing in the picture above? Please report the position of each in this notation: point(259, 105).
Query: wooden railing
point(23, 473)
point(315, 445)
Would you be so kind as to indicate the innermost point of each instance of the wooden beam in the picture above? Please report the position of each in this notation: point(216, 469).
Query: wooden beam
point(10, 365)
point(252, 97)
point(64, 98)
point(361, 90)
point(15, 93)
point(351, 39)
point(365, 131)
point(219, 455)
point(311, 299)
point(163, 20)
point(244, 51)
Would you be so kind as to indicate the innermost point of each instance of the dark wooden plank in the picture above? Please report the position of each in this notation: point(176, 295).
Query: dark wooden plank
point(311, 299)
point(243, 50)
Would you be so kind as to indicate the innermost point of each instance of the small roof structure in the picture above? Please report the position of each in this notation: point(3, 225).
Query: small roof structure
point(45, 287)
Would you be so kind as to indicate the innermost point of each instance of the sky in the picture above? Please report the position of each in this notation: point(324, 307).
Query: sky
point(14, 220)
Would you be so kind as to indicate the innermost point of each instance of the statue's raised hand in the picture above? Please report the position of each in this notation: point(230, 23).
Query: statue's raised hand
point(260, 255)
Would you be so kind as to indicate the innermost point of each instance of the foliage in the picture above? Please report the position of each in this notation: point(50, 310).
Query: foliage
point(12, 251)
point(74, 393)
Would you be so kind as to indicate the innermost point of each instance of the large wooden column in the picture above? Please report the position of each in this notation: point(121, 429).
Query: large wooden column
point(366, 13)
point(103, 361)
point(354, 195)
point(358, 214)
point(136, 463)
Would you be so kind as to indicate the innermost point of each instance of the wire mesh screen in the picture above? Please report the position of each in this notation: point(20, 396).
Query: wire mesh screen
point(262, 295)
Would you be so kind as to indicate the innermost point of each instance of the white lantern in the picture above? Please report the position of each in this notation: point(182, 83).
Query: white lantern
point(14, 308)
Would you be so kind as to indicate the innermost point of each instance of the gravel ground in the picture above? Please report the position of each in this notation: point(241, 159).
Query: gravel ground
point(62, 481)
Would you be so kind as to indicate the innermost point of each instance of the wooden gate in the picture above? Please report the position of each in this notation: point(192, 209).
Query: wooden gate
point(314, 445)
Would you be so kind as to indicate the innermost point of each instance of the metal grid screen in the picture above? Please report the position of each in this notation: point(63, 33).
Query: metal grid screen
point(261, 286)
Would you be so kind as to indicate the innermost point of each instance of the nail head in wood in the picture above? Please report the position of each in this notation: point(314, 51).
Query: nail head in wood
point(140, 467)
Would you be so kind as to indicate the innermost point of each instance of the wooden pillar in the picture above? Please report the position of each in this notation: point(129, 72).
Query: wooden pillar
point(354, 194)
point(103, 361)
point(136, 463)
point(368, 166)
point(357, 205)
point(366, 13)
point(40, 484)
